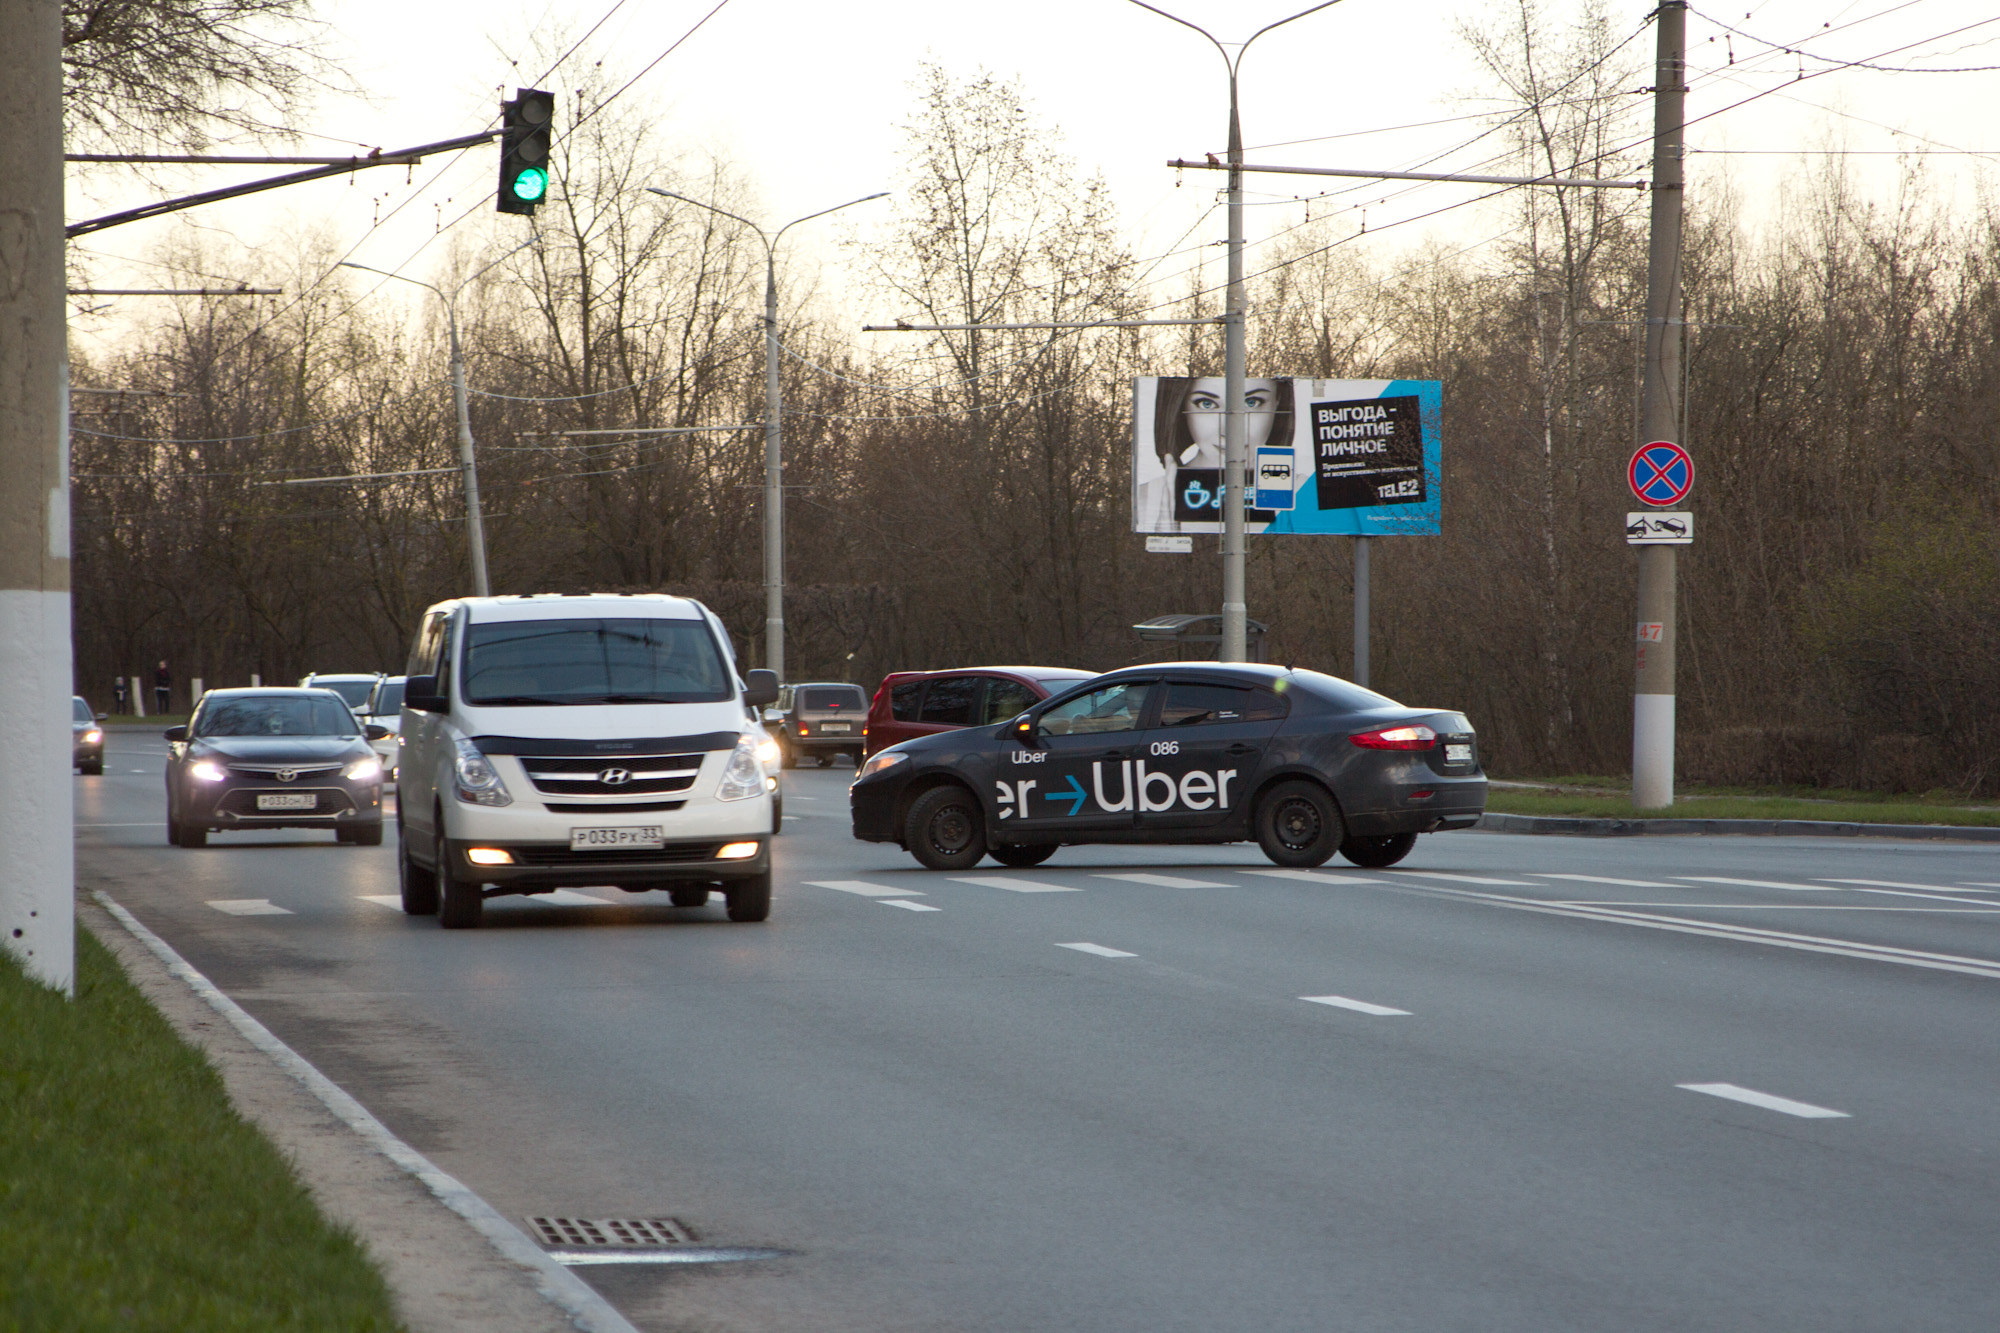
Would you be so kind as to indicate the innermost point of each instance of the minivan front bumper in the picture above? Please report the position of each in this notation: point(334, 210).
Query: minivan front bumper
point(552, 865)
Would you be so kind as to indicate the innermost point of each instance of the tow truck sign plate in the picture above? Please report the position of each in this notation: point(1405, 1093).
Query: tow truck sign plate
point(1673, 528)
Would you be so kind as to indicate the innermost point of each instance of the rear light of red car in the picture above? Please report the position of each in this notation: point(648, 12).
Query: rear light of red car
point(1396, 738)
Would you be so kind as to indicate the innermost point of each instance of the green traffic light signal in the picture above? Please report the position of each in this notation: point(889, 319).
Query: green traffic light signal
point(525, 140)
point(531, 185)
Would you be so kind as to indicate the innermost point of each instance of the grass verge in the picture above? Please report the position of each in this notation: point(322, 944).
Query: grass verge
point(1543, 801)
point(132, 1195)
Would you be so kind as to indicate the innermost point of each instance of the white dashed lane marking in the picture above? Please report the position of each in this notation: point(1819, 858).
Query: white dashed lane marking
point(1468, 879)
point(249, 907)
point(388, 900)
point(1358, 1006)
point(1099, 950)
point(1315, 877)
point(864, 888)
point(1897, 884)
point(1751, 1097)
point(1757, 884)
point(907, 905)
point(569, 898)
point(1606, 879)
point(1165, 881)
point(1017, 885)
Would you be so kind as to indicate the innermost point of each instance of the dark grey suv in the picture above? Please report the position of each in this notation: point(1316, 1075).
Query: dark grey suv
point(820, 720)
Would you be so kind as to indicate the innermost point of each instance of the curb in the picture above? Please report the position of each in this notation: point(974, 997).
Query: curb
point(1767, 828)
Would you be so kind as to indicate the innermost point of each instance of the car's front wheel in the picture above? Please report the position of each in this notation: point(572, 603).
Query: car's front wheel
point(1378, 853)
point(420, 886)
point(946, 829)
point(461, 906)
point(1298, 825)
point(749, 899)
point(193, 834)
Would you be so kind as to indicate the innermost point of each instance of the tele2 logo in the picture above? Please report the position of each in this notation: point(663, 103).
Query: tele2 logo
point(1154, 792)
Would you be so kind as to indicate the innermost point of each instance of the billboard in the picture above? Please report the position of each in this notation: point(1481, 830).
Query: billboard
point(1355, 457)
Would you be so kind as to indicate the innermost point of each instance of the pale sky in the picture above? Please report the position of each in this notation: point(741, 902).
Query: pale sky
point(806, 98)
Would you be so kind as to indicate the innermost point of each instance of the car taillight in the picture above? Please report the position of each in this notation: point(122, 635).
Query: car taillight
point(1396, 738)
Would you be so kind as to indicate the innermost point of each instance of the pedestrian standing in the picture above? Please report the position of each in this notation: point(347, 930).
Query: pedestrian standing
point(163, 684)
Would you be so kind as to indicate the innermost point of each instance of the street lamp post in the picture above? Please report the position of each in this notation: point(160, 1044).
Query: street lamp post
point(1235, 607)
point(475, 522)
point(774, 475)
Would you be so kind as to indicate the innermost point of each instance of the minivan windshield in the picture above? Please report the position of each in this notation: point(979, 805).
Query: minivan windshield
point(276, 715)
point(597, 661)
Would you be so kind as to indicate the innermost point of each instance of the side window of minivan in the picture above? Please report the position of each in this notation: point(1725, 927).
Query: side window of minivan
point(423, 653)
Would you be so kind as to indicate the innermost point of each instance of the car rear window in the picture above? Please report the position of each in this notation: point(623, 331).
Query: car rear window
point(276, 715)
point(829, 696)
point(354, 692)
point(1006, 699)
point(903, 700)
point(1192, 703)
point(527, 662)
point(949, 701)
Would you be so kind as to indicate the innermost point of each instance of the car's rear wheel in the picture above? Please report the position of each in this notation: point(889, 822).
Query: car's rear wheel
point(1298, 825)
point(946, 830)
point(1376, 853)
point(461, 905)
point(420, 886)
point(749, 899)
point(688, 895)
point(1020, 858)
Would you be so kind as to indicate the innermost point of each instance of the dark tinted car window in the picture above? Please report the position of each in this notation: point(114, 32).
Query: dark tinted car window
point(903, 700)
point(950, 700)
point(388, 697)
point(1007, 698)
point(276, 715)
point(80, 711)
point(1191, 704)
point(593, 661)
point(827, 696)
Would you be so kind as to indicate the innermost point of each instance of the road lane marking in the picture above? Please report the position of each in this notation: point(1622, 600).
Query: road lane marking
point(1606, 879)
point(142, 823)
point(389, 900)
point(1895, 884)
point(907, 905)
point(1469, 879)
point(1751, 1097)
point(1758, 884)
point(249, 907)
point(1165, 881)
point(864, 888)
point(1358, 1006)
point(1939, 896)
point(1099, 950)
point(1017, 885)
point(1316, 877)
point(569, 898)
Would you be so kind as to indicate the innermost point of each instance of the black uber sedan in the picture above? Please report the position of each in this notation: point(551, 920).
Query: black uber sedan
point(1304, 763)
point(273, 758)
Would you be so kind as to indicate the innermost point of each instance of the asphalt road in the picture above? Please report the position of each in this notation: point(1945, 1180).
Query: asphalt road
point(1526, 1083)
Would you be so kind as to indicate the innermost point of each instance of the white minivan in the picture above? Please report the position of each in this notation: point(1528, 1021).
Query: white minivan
point(582, 740)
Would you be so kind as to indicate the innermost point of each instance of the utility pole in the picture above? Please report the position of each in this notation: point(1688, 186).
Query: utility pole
point(1659, 416)
point(37, 907)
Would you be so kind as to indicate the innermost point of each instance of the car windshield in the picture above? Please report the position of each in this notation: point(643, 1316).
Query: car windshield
point(524, 662)
point(276, 715)
point(79, 711)
point(353, 692)
point(388, 697)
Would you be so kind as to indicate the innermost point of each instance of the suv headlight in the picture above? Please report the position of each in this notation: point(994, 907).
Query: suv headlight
point(478, 781)
point(744, 777)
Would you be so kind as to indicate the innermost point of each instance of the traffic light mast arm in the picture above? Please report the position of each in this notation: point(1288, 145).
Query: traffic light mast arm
point(400, 157)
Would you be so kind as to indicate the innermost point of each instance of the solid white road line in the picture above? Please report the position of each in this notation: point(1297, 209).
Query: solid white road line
point(1468, 879)
point(1316, 877)
point(389, 900)
point(248, 907)
point(864, 888)
point(1165, 881)
point(1017, 885)
point(1897, 884)
point(1751, 1097)
point(1757, 884)
point(1099, 950)
point(1358, 1006)
point(1604, 879)
point(907, 905)
point(1936, 896)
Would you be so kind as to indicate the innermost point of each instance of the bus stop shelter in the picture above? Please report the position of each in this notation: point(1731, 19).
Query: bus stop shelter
point(1202, 633)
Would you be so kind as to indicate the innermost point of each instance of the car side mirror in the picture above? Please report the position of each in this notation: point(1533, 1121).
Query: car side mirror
point(420, 694)
point(175, 733)
point(760, 687)
point(375, 731)
point(102, 716)
point(1026, 730)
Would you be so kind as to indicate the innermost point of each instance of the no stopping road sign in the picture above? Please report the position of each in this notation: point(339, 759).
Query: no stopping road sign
point(1661, 473)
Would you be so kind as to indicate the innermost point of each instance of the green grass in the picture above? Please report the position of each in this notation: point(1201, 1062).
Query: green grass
point(132, 1195)
point(160, 720)
point(1865, 809)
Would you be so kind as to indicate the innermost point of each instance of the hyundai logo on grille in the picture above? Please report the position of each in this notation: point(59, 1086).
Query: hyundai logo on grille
point(615, 777)
point(286, 774)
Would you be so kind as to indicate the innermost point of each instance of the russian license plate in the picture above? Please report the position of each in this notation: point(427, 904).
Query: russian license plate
point(1458, 754)
point(842, 727)
point(615, 839)
point(288, 800)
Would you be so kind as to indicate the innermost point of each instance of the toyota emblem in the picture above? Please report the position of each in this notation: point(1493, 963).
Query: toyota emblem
point(286, 774)
point(615, 777)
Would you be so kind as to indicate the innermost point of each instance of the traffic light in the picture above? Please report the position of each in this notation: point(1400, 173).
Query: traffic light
point(524, 149)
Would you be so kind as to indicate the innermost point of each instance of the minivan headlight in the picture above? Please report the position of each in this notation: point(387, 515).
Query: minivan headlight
point(744, 777)
point(478, 781)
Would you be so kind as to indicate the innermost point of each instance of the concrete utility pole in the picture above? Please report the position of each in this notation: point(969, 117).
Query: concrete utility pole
point(1660, 416)
point(774, 408)
point(37, 910)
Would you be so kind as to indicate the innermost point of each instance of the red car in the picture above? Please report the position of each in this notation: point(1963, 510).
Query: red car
point(918, 703)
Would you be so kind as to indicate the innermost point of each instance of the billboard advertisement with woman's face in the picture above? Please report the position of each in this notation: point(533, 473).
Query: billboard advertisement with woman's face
point(1354, 457)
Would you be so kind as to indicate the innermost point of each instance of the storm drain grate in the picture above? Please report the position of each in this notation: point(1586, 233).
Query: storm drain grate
point(611, 1232)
